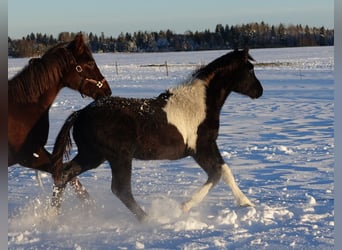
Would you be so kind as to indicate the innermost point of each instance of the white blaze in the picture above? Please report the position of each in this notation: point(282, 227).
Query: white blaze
point(186, 109)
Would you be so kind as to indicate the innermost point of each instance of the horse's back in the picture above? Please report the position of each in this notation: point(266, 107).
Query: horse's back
point(137, 126)
point(102, 128)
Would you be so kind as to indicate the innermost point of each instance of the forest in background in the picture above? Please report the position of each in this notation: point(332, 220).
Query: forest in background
point(251, 35)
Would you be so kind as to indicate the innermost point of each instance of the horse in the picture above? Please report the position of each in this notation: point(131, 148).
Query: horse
point(182, 121)
point(31, 93)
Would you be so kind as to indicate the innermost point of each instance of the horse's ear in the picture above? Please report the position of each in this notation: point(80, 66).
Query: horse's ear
point(79, 44)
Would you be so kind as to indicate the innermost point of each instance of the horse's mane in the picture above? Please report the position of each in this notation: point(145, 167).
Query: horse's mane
point(229, 61)
point(39, 75)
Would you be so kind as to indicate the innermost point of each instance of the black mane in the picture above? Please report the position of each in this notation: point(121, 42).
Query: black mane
point(229, 61)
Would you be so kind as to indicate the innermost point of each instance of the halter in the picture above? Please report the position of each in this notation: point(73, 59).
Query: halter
point(79, 70)
point(99, 84)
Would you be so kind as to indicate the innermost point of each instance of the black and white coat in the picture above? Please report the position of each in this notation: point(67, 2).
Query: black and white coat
point(183, 121)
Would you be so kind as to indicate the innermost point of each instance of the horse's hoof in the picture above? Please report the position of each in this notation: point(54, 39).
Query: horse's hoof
point(246, 203)
point(185, 207)
point(143, 218)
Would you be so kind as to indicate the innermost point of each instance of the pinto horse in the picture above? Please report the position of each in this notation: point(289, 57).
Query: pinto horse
point(31, 93)
point(183, 121)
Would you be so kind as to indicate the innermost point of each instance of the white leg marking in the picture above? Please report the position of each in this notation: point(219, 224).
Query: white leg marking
point(197, 197)
point(228, 177)
point(39, 179)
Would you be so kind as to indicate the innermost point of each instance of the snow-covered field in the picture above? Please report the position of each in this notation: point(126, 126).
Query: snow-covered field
point(280, 148)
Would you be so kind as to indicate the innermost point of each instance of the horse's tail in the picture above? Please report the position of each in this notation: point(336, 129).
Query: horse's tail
point(63, 145)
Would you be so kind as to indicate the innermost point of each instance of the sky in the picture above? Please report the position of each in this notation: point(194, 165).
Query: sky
point(113, 17)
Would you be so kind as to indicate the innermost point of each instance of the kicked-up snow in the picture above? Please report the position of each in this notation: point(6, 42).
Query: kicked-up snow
point(280, 148)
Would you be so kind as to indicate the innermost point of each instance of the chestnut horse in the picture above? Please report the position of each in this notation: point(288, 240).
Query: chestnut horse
point(31, 93)
point(183, 121)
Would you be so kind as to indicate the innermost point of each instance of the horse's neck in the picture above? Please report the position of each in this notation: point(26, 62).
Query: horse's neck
point(47, 98)
point(21, 90)
point(217, 94)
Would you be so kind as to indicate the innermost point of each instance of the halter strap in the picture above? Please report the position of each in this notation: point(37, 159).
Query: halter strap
point(99, 84)
point(79, 70)
point(81, 86)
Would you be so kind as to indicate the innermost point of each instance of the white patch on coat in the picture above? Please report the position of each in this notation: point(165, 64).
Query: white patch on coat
point(186, 110)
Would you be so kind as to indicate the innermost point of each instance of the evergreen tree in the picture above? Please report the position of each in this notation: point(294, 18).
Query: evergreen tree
point(252, 35)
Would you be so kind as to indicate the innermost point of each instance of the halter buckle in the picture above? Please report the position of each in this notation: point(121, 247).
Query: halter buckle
point(79, 69)
point(99, 84)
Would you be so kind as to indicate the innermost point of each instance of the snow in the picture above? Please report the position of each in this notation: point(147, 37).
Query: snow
point(280, 148)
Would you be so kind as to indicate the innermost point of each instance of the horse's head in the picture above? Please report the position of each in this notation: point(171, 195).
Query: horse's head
point(231, 72)
point(84, 75)
point(245, 81)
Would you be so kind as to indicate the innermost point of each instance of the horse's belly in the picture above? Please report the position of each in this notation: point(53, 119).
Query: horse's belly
point(160, 148)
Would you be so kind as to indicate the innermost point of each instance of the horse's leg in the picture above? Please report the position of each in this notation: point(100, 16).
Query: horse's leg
point(79, 164)
point(57, 194)
point(39, 179)
point(42, 161)
point(79, 189)
point(81, 192)
point(228, 177)
point(213, 170)
point(58, 189)
point(121, 185)
point(210, 159)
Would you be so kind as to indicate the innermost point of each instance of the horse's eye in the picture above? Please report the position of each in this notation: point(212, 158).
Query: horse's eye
point(91, 63)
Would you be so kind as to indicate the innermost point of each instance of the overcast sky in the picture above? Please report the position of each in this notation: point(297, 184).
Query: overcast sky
point(113, 17)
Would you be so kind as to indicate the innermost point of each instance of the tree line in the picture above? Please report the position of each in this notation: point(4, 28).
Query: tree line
point(251, 35)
